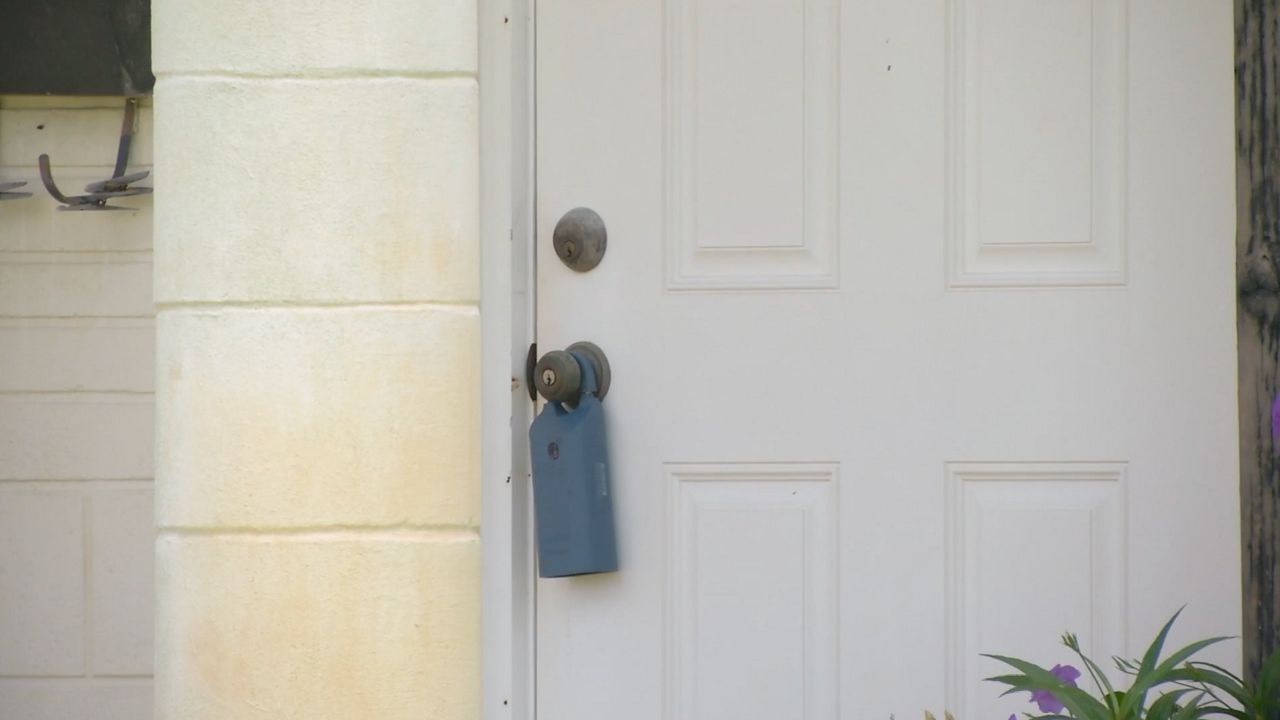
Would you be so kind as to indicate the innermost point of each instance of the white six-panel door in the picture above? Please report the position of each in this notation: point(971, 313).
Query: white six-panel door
point(921, 320)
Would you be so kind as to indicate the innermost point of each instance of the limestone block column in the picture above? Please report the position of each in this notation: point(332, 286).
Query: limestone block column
point(316, 282)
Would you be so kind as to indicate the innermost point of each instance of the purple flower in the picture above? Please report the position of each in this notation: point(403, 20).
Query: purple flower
point(1049, 702)
point(1275, 417)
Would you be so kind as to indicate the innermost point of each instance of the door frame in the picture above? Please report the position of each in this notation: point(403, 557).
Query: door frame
point(507, 233)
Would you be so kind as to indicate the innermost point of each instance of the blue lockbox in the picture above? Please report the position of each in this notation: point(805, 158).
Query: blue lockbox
point(572, 498)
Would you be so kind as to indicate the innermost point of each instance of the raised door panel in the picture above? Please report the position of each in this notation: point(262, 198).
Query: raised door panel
point(751, 150)
point(1038, 112)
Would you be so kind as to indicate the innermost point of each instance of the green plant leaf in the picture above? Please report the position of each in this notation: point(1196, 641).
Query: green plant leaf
point(1185, 654)
point(1266, 691)
point(1152, 655)
point(1129, 667)
point(1207, 674)
point(1149, 677)
point(1164, 707)
point(1161, 674)
point(1109, 694)
point(1192, 709)
point(1235, 678)
point(1197, 696)
point(1137, 697)
point(1082, 705)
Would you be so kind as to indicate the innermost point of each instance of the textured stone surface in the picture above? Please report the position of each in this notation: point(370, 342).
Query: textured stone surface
point(304, 418)
point(301, 37)
point(342, 626)
point(317, 360)
point(318, 191)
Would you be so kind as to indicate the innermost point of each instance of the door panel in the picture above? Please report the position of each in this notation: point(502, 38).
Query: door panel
point(922, 330)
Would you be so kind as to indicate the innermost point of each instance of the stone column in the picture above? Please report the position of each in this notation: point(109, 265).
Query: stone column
point(316, 285)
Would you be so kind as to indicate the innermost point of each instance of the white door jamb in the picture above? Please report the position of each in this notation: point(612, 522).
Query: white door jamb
point(507, 311)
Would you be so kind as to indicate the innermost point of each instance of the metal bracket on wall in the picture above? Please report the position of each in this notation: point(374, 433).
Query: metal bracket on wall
point(97, 194)
point(8, 191)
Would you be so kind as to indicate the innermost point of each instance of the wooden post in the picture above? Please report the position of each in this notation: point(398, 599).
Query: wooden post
point(1257, 25)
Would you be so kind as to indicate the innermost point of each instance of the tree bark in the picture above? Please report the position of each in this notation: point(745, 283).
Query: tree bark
point(1257, 25)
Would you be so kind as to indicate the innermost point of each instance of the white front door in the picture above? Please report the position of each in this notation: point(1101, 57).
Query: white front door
point(921, 319)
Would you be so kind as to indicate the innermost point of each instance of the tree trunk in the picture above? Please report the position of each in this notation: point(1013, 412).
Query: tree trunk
point(1258, 317)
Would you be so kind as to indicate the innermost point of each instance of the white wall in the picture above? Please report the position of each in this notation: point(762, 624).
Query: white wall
point(76, 404)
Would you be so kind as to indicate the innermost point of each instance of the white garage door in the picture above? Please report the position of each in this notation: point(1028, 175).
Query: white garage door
point(76, 366)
